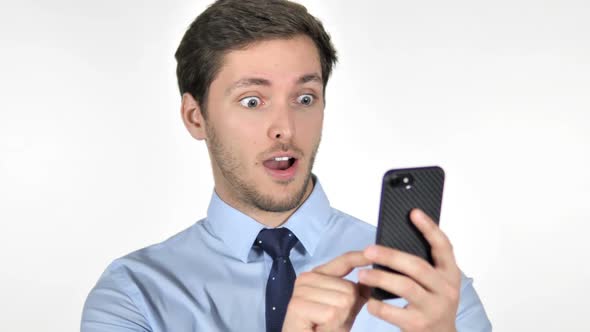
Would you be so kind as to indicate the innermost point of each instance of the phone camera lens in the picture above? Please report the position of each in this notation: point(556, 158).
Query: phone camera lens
point(401, 180)
point(395, 181)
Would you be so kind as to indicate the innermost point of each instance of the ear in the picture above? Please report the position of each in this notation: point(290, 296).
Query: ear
point(192, 116)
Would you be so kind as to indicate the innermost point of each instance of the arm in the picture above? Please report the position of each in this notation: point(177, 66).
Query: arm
point(110, 307)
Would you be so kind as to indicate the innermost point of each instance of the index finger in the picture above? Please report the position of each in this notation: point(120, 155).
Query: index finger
point(344, 264)
point(442, 250)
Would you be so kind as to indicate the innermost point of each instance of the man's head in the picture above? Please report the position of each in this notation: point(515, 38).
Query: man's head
point(252, 74)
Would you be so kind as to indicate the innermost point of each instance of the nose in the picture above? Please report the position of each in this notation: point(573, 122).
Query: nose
point(282, 127)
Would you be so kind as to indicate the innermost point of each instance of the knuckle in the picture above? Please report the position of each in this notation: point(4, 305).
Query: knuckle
point(444, 241)
point(452, 293)
point(349, 288)
point(407, 287)
point(296, 303)
point(304, 278)
point(350, 256)
point(439, 242)
point(347, 301)
point(449, 244)
point(298, 292)
point(298, 282)
point(421, 267)
point(457, 278)
point(331, 314)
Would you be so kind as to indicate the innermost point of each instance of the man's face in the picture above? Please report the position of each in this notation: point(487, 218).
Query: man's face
point(265, 115)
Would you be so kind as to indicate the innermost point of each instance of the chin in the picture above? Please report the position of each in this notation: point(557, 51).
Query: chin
point(282, 196)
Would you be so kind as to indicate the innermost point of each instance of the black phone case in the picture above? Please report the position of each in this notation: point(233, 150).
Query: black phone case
point(394, 227)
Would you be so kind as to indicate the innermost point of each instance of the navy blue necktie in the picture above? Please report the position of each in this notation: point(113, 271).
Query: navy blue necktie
point(277, 243)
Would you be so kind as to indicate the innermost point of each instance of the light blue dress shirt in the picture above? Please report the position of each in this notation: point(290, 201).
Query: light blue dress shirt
point(209, 278)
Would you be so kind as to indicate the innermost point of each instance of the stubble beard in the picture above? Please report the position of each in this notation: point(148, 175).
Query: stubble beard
point(246, 192)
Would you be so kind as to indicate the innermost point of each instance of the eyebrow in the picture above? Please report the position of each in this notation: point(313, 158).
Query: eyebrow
point(309, 78)
point(250, 81)
point(246, 82)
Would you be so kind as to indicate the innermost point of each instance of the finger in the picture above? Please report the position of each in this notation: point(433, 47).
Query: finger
point(396, 284)
point(327, 296)
point(305, 314)
point(317, 280)
point(392, 314)
point(410, 265)
point(442, 250)
point(343, 265)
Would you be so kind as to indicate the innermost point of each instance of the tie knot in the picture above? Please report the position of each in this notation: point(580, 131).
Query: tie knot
point(277, 242)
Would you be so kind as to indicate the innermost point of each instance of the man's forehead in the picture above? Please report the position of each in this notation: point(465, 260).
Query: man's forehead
point(294, 60)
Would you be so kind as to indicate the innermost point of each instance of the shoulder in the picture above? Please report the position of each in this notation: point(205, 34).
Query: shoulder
point(171, 251)
point(123, 291)
point(150, 263)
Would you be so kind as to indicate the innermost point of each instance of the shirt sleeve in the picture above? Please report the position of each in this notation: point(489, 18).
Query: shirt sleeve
point(471, 315)
point(111, 307)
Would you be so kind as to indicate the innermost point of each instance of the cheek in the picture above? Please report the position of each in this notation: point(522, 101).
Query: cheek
point(310, 127)
point(237, 128)
point(242, 138)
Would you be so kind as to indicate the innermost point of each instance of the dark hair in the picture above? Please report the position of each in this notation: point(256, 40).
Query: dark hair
point(233, 24)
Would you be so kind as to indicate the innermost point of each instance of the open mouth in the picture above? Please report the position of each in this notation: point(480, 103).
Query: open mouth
point(279, 163)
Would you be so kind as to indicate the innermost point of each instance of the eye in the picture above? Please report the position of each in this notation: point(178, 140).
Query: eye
point(305, 99)
point(250, 102)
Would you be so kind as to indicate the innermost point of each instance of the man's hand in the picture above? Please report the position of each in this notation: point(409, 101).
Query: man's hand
point(323, 301)
point(432, 292)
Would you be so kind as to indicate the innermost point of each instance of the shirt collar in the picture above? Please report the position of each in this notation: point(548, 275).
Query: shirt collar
point(238, 231)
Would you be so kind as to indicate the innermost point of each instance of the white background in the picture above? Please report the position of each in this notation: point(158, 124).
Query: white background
point(95, 161)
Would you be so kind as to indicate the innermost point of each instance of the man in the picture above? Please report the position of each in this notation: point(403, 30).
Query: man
point(272, 254)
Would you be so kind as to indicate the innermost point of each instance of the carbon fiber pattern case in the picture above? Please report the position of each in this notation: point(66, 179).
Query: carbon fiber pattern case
point(394, 228)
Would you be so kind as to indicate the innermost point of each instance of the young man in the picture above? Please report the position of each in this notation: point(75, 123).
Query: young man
point(272, 254)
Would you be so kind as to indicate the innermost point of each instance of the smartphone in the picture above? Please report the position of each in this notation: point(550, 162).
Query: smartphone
point(403, 190)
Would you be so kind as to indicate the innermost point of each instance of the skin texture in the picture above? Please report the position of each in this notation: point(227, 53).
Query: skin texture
point(268, 99)
point(239, 138)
